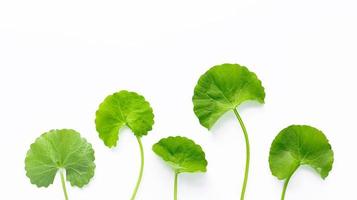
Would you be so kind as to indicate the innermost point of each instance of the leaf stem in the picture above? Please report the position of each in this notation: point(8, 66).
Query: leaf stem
point(175, 185)
point(247, 146)
point(63, 184)
point(286, 183)
point(141, 168)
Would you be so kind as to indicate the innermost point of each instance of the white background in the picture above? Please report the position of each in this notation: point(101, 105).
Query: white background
point(59, 59)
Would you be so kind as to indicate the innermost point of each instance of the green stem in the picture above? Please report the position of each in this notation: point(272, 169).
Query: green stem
point(63, 185)
point(287, 183)
point(247, 146)
point(141, 168)
point(175, 186)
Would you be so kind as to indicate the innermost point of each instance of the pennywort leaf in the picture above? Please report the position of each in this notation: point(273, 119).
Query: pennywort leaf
point(61, 151)
point(221, 89)
point(299, 145)
point(182, 155)
point(121, 109)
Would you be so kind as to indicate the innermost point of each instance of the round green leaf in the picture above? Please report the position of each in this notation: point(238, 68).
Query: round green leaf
point(60, 149)
point(182, 154)
point(299, 145)
point(222, 88)
point(120, 109)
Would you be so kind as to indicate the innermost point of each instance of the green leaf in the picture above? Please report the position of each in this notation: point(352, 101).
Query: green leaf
point(299, 145)
point(60, 149)
point(120, 109)
point(182, 154)
point(223, 88)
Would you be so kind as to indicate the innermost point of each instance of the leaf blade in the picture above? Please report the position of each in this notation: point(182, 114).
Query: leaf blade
point(299, 145)
point(182, 154)
point(223, 88)
point(120, 109)
point(58, 149)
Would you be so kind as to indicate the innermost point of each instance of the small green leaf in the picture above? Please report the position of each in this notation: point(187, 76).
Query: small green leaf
point(182, 154)
point(299, 145)
point(223, 88)
point(120, 109)
point(56, 150)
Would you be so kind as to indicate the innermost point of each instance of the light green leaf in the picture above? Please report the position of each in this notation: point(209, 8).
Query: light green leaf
point(182, 154)
point(120, 109)
point(299, 145)
point(60, 149)
point(223, 88)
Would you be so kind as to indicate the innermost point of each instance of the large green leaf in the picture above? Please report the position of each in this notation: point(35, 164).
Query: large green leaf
point(223, 88)
point(60, 149)
point(299, 145)
point(182, 154)
point(120, 109)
